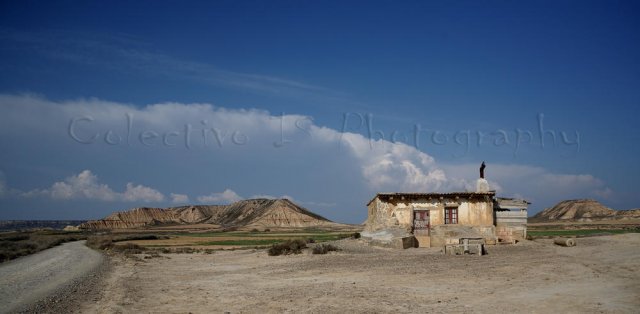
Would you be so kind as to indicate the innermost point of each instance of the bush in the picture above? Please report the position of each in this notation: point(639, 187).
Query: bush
point(288, 247)
point(267, 230)
point(17, 237)
point(324, 249)
point(356, 235)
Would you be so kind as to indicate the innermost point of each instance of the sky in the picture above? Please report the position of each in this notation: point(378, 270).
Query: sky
point(106, 106)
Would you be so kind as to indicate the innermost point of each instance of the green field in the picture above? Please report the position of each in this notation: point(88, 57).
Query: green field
point(234, 238)
point(266, 237)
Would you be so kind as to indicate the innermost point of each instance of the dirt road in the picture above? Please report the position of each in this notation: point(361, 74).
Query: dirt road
point(28, 279)
point(601, 274)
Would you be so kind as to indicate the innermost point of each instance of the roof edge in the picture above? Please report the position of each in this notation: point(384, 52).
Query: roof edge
point(417, 194)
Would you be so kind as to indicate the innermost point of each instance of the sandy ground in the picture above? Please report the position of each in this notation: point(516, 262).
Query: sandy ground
point(27, 280)
point(601, 274)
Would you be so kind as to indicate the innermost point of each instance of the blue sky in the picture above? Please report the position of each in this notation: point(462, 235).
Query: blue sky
point(326, 103)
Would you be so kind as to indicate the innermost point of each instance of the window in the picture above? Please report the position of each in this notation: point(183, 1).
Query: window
point(451, 215)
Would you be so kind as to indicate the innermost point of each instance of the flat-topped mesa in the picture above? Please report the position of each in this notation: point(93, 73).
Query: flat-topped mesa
point(254, 212)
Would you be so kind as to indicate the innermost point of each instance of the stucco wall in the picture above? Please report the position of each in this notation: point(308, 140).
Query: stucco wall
point(400, 214)
point(384, 215)
point(475, 213)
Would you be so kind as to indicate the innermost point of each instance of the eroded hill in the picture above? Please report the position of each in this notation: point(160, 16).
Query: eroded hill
point(255, 212)
point(583, 210)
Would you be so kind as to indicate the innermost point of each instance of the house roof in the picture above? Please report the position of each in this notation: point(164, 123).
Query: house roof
point(410, 196)
point(512, 203)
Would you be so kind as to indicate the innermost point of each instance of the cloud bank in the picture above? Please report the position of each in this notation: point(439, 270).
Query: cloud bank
point(252, 150)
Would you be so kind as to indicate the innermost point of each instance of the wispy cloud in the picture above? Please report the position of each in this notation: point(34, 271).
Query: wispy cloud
point(126, 54)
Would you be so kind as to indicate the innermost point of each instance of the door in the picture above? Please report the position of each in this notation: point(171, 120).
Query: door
point(421, 222)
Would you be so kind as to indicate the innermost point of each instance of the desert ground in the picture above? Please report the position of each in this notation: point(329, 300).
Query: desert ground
point(600, 274)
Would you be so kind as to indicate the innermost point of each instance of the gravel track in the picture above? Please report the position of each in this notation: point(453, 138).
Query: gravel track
point(34, 282)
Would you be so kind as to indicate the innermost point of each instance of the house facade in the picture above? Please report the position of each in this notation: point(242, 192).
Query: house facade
point(437, 219)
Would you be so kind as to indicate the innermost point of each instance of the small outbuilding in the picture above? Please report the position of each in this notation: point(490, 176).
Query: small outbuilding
point(406, 220)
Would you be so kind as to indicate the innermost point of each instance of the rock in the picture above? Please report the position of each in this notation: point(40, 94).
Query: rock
point(71, 228)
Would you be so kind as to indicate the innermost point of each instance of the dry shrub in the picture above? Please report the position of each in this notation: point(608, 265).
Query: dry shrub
point(324, 249)
point(288, 247)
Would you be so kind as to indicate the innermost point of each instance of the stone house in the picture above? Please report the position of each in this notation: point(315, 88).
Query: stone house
point(437, 219)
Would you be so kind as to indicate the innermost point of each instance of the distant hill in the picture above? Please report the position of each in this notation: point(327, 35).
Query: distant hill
point(255, 212)
point(583, 210)
point(9, 225)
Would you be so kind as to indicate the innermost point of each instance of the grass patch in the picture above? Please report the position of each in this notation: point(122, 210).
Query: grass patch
point(243, 242)
point(213, 234)
point(108, 242)
point(262, 238)
point(579, 232)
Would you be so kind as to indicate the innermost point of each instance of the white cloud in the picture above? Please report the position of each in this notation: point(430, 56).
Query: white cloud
point(227, 196)
point(142, 193)
point(388, 166)
point(85, 185)
point(179, 198)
